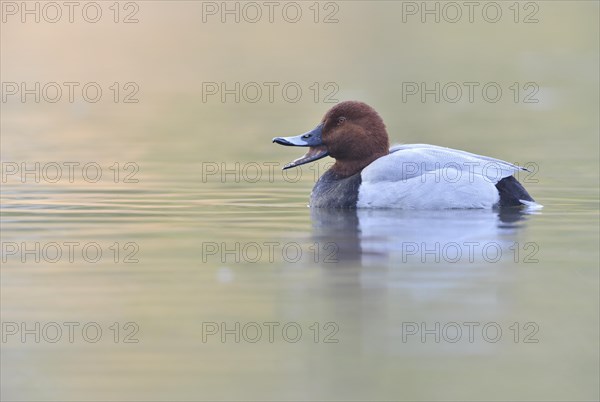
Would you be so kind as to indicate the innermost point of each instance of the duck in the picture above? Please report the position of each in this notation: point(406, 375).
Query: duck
point(367, 173)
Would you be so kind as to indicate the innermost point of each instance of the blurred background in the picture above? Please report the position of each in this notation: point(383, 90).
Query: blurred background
point(203, 239)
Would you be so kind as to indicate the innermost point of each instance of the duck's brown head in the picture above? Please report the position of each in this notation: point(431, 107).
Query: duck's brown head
point(351, 132)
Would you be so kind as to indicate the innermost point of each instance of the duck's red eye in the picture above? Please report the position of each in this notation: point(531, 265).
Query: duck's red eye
point(340, 120)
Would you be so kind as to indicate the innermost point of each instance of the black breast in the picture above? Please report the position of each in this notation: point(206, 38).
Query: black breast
point(333, 191)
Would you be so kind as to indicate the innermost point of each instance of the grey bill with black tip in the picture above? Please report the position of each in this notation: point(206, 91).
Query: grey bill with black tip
point(311, 139)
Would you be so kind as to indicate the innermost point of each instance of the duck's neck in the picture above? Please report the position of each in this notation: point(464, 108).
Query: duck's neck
point(346, 168)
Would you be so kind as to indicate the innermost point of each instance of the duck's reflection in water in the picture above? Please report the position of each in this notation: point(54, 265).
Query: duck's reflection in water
point(398, 266)
point(407, 236)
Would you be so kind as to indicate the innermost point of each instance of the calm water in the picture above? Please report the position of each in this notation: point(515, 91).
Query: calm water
point(224, 285)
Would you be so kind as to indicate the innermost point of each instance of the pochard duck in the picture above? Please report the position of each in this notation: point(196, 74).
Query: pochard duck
point(368, 174)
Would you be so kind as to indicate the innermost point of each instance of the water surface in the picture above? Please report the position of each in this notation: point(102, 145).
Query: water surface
point(202, 232)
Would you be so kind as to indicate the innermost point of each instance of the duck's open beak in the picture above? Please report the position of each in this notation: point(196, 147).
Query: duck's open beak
point(310, 139)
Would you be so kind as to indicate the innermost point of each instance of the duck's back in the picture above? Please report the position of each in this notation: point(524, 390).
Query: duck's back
point(422, 176)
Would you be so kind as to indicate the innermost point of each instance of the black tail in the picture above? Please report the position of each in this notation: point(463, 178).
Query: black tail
point(512, 192)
